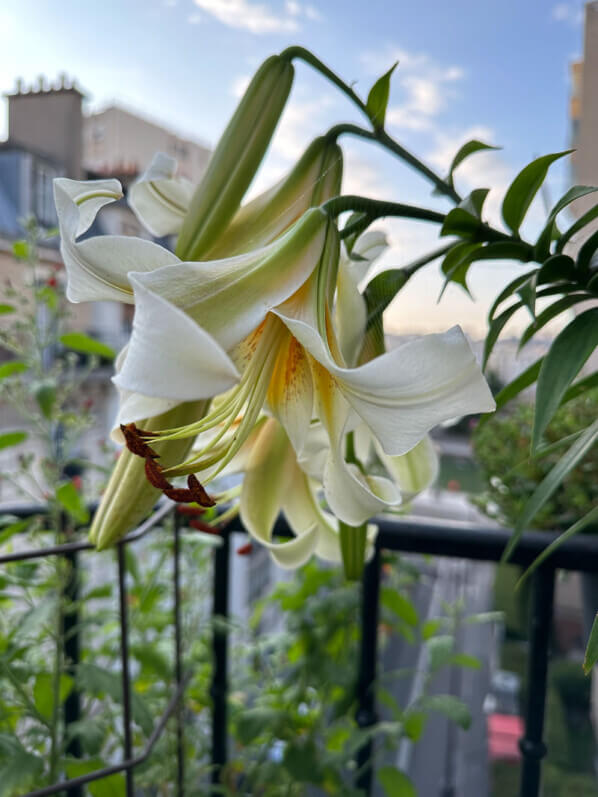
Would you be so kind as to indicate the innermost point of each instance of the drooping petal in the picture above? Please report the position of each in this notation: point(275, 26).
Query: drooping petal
point(350, 308)
point(270, 476)
point(97, 267)
point(230, 298)
point(353, 496)
point(169, 356)
point(158, 198)
point(404, 393)
point(414, 471)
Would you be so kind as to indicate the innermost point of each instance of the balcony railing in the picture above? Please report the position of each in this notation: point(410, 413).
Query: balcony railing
point(455, 540)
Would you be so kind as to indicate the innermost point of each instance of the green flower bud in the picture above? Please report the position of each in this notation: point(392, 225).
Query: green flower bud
point(236, 159)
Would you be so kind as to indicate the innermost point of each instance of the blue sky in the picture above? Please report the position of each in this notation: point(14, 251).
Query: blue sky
point(466, 69)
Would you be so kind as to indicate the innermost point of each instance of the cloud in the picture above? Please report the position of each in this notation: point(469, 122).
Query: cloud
point(258, 18)
point(194, 18)
point(569, 13)
point(425, 86)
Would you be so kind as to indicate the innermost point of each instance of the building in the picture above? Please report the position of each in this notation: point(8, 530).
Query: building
point(583, 110)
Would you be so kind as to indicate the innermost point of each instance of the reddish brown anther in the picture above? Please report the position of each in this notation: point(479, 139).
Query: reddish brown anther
point(201, 526)
point(135, 443)
point(245, 550)
point(200, 495)
point(154, 475)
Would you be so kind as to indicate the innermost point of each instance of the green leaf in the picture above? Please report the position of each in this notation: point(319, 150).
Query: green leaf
point(549, 484)
point(414, 724)
point(19, 769)
point(254, 722)
point(527, 293)
point(505, 250)
point(302, 762)
point(508, 291)
point(474, 202)
point(520, 383)
point(430, 627)
point(557, 267)
point(451, 707)
point(591, 656)
point(496, 327)
point(543, 243)
point(587, 252)
point(87, 345)
point(377, 100)
point(549, 313)
point(9, 439)
point(70, 498)
point(112, 786)
point(6, 308)
point(524, 188)
point(459, 222)
point(440, 651)
point(11, 368)
point(467, 661)
point(395, 783)
point(100, 682)
point(466, 150)
point(20, 250)
point(581, 386)
point(153, 659)
point(399, 605)
point(45, 395)
point(581, 222)
point(568, 353)
point(381, 290)
point(43, 692)
point(456, 264)
point(586, 520)
point(6, 532)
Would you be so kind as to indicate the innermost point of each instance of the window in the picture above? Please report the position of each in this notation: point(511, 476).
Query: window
point(43, 196)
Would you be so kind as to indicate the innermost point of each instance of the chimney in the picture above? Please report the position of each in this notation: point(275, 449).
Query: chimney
point(49, 120)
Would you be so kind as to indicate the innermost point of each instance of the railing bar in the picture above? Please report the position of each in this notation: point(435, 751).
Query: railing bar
point(219, 686)
point(124, 657)
point(178, 663)
point(532, 746)
point(125, 765)
point(70, 635)
point(368, 655)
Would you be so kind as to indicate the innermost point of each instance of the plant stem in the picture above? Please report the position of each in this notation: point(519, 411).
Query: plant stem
point(378, 134)
point(376, 208)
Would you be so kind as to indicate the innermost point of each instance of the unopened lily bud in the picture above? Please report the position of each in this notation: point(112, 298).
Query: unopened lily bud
point(236, 159)
point(315, 178)
point(129, 497)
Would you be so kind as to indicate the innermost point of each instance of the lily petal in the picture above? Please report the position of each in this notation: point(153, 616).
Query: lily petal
point(97, 267)
point(169, 356)
point(404, 393)
point(414, 471)
point(270, 475)
point(158, 198)
point(229, 298)
point(290, 394)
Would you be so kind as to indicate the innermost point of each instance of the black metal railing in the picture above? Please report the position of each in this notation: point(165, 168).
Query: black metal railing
point(447, 539)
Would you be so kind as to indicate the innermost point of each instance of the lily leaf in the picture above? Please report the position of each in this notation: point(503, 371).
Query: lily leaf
point(395, 783)
point(586, 252)
point(508, 291)
point(377, 100)
point(524, 188)
point(87, 345)
point(466, 150)
point(496, 327)
point(549, 484)
point(581, 222)
point(568, 353)
point(543, 243)
point(557, 267)
point(549, 313)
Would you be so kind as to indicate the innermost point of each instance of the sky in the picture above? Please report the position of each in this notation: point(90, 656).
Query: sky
point(467, 69)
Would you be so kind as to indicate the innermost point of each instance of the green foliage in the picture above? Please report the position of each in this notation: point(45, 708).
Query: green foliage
point(377, 100)
point(502, 446)
point(70, 499)
point(395, 783)
point(469, 148)
point(87, 345)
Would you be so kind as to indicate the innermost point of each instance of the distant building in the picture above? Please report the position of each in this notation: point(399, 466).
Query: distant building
point(583, 110)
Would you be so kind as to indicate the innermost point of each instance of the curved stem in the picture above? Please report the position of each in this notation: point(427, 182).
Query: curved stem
point(376, 208)
point(379, 135)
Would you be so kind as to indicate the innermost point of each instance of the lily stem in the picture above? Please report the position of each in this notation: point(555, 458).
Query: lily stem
point(378, 134)
point(376, 208)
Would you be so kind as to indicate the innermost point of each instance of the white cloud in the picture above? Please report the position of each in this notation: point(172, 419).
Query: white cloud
point(194, 18)
point(424, 86)
point(258, 17)
point(570, 13)
point(239, 86)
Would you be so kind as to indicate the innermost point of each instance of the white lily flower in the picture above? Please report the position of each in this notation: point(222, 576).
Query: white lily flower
point(350, 310)
point(159, 198)
point(288, 355)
